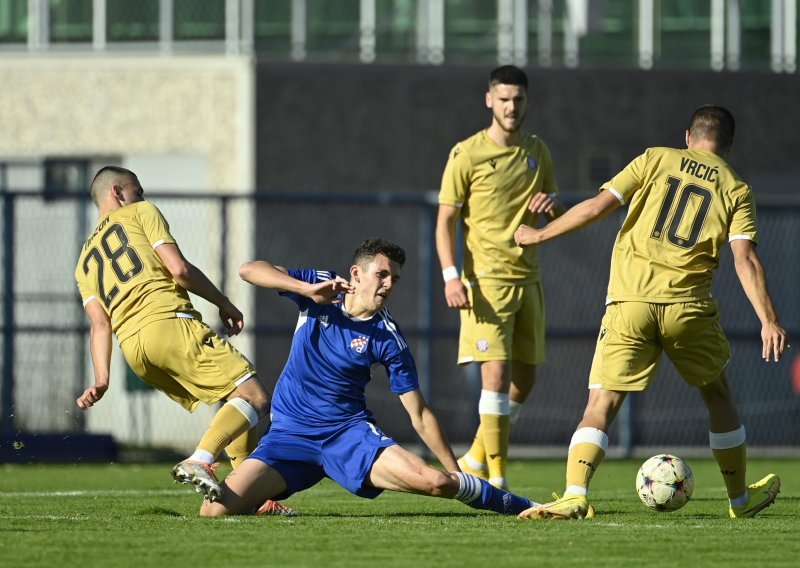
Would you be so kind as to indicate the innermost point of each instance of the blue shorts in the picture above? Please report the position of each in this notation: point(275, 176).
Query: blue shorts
point(304, 458)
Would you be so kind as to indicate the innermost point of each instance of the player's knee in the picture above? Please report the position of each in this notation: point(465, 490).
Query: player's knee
point(213, 509)
point(261, 405)
point(255, 395)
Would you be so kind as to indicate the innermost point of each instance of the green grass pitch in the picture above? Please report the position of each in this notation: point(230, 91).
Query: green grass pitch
point(132, 515)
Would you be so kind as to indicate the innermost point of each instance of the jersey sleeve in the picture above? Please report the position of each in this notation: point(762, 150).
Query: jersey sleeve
point(87, 294)
point(154, 225)
point(456, 178)
point(311, 276)
point(396, 357)
point(549, 184)
point(743, 219)
point(628, 181)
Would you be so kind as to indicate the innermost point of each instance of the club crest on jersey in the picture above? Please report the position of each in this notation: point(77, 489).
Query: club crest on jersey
point(359, 344)
point(532, 163)
point(482, 345)
point(323, 319)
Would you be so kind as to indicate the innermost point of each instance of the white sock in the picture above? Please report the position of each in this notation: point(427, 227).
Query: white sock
point(469, 488)
point(577, 490)
point(201, 456)
point(473, 463)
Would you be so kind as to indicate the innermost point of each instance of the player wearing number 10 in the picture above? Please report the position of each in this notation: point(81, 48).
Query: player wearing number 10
point(683, 205)
point(133, 280)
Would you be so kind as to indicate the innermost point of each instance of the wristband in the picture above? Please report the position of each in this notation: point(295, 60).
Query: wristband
point(450, 273)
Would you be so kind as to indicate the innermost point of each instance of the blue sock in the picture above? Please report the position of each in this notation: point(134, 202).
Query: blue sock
point(480, 494)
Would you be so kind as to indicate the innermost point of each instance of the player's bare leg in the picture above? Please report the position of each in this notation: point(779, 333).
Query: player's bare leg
point(396, 469)
point(245, 490)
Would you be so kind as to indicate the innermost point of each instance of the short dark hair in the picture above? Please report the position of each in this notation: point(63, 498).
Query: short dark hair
point(106, 176)
point(508, 75)
point(714, 123)
point(369, 248)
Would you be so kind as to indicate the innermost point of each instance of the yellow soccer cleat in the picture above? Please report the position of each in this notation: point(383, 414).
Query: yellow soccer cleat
point(569, 506)
point(760, 495)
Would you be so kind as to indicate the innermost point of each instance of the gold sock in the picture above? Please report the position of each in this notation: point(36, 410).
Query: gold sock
point(476, 450)
point(496, 429)
point(228, 424)
point(582, 462)
point(732, 464)
point(241, 447)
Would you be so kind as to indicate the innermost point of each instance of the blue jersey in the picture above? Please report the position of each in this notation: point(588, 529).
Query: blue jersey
point(323, 382)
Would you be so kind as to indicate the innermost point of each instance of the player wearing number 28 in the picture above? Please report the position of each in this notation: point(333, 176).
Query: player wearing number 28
point(134, 280)
point(683, 205)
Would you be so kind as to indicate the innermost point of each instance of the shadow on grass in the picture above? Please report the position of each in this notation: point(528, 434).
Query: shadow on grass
point(407, 514)
point(158, 511)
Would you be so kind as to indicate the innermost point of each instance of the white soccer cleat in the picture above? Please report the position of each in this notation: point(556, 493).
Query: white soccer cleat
point(199, 474)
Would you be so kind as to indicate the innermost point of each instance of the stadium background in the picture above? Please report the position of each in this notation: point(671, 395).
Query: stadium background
point(289, 130)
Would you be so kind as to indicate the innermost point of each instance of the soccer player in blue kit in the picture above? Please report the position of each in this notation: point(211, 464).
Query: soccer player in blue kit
point(321, 426)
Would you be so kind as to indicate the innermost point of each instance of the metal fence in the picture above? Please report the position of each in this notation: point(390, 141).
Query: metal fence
point(46, 364)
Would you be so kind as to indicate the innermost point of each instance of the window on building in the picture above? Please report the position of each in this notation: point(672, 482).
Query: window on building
point(132, 20)
point(13, 21)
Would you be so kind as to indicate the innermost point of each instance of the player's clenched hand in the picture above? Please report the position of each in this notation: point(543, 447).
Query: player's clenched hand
point(774, 341)
point(329, 291)
point(232, 318)
point(456, 294)
point(91, 395)
point(526, 235)
point(542, 203)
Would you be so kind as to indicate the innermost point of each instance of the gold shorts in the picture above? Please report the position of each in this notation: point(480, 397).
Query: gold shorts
point(506, 323)
point(186, 360)
point(633, 335)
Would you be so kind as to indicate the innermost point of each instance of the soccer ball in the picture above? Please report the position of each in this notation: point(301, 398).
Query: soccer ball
point(665, 483)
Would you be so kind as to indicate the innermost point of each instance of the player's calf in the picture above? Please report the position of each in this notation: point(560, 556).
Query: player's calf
point(480, 494)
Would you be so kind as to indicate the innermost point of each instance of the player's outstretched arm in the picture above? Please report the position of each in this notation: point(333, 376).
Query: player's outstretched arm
point(191, 278)
point(454, 290)
point(100, 330)
point(265, 274)
point(583, 214)
point(429, 429)
point(754, 281)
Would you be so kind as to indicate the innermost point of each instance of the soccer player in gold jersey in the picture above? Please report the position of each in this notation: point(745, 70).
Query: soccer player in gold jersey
point(133, 280)
point(683, 205)
point(494, 181)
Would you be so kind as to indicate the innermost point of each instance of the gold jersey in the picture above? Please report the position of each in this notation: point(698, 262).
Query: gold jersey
point(120, 268)
point(683, 205)
point(493, 186)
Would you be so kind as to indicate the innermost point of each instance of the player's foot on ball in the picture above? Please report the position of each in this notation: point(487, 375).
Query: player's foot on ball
point(760, 495)
point(199, 474)
point(569, 506)
point(271, 507)
point(470, 466)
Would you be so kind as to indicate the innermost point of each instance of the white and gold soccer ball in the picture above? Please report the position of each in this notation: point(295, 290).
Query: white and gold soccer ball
point(665, 483)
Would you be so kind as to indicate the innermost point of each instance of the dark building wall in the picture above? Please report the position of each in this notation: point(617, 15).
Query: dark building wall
point(362, 127)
